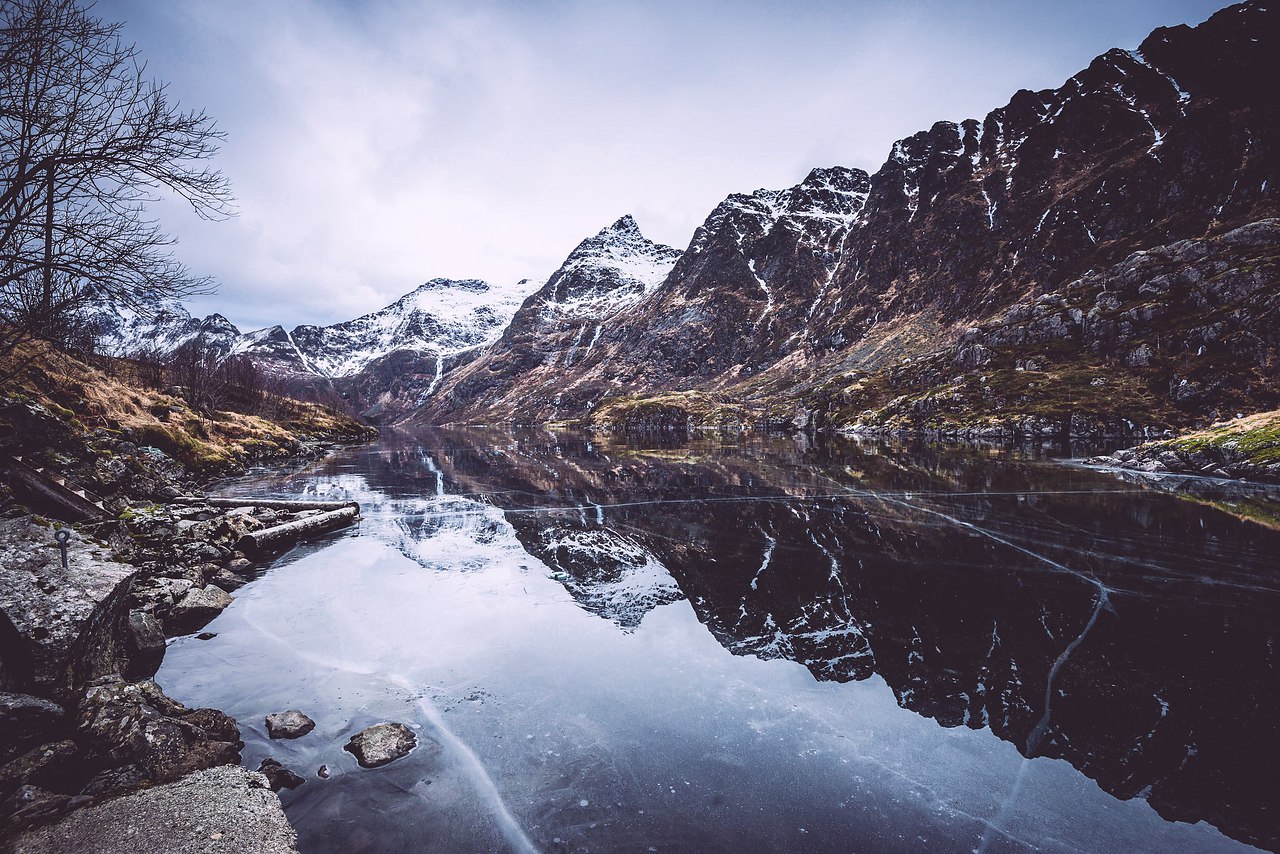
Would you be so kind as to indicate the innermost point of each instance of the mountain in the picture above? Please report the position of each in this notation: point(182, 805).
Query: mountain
point(811, 305)
point(557, 328)
point(125, 332)
point(390, 359)
point(442, 317)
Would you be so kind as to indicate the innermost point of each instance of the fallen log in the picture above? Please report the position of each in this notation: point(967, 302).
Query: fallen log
point(291, 532)
point(270, 503)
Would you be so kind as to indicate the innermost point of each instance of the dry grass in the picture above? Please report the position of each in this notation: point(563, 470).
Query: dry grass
point(109, 394)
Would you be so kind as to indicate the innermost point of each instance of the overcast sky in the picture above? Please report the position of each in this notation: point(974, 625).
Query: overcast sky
point(375, 144)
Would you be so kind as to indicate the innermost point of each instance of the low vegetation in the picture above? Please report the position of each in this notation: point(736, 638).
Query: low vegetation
point(119, 398)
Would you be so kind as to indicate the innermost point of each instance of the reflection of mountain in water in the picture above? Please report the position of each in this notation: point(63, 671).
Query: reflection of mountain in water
point(1128, 632)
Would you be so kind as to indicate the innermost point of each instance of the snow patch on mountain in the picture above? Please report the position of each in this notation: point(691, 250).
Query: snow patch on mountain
point(125, 332)
point(442, 317)
point(607, 273)
point(826, 198)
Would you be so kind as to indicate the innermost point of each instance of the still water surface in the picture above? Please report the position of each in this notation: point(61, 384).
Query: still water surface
point(760, 644)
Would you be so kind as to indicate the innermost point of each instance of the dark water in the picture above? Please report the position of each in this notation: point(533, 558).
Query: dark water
point(761, 645)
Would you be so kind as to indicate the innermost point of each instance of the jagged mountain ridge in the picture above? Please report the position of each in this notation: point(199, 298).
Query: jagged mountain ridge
point(600, 284)
point(417, 334)
point(781, 292)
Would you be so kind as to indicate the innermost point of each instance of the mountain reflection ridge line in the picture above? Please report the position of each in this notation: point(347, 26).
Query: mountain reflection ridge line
point(1103, 591)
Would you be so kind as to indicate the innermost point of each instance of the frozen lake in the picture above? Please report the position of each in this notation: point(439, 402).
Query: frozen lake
point(759, 645)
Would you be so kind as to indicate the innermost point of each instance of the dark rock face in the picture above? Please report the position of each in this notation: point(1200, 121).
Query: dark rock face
point(380, 744)
point(134, 723)
point(26, 721)
point(782, 293)
point(1171, 332)
point(279, 776)
point(289, 724)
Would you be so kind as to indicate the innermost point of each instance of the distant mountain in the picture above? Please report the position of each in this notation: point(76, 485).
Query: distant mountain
point(599, 285)
point(808, 305)
point(420, 332)
point(124, 332)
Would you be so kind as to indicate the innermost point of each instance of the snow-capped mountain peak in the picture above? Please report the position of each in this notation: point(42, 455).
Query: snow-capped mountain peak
point(606, 273)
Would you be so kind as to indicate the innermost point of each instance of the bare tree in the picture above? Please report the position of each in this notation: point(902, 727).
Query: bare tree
point(86, 142)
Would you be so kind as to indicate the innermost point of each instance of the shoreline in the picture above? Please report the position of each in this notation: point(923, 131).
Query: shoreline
point(85, 725)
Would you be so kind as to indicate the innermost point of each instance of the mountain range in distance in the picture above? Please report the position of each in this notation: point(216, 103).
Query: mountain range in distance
point(1099, 258)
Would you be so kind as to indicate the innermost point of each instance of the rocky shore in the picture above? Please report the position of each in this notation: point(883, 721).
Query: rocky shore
point(1246, 448)
point(93, 755)
point(83, 723)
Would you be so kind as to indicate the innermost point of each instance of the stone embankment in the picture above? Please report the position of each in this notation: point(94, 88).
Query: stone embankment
point(82, 722)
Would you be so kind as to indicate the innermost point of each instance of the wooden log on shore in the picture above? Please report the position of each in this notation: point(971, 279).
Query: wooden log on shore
point(291, 532)
point(270, 503)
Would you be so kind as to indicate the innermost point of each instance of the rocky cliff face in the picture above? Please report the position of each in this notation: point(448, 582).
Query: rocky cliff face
point(556, 331)
point(782, 292)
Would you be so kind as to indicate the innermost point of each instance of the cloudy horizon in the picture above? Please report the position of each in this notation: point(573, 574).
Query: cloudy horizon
point(373, 147)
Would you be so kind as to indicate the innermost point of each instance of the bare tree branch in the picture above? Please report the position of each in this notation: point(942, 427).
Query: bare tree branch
point(86, 143)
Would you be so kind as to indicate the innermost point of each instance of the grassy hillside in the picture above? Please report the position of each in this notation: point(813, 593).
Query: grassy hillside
point(61, 407)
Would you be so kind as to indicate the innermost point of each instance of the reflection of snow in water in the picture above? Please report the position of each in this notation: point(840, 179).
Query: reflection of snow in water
point(557, 726)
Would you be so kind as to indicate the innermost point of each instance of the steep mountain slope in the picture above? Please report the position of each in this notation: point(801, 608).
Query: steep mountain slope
point(782, 294)
point(558, 327)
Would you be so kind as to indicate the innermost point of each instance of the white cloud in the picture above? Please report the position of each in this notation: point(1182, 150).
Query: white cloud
point(373, 146)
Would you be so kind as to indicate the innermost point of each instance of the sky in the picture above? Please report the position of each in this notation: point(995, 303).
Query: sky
point(375, 144)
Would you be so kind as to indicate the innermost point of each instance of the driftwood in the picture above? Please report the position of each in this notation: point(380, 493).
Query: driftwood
point(290, 532)
point(270, 503)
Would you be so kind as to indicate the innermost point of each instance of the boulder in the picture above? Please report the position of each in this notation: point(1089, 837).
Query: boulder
point(197, 607)
point(279, 776)
point(135, 723)
point(219, 809)
point(59, 628)
point(289, 724)
point(381, 743)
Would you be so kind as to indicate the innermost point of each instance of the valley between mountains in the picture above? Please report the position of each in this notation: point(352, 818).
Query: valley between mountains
point(1095, 259)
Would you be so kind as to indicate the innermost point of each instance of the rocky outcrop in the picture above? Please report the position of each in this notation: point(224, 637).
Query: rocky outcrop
point(1172, 334)
point(59, 627)
point(136, 727)
point(1244, 448)
point(219, 809)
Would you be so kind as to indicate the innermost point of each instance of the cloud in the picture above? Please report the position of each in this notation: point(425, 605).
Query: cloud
point(376, 145)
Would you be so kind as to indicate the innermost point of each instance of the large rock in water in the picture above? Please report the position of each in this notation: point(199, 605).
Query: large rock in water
point(59, 628)
point(289, 724)
point(381, 743)
point(229, 809)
